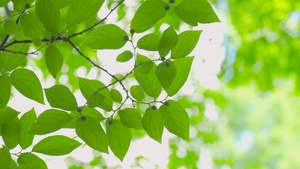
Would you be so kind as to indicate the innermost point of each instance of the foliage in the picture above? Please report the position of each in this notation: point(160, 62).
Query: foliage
point(55, 29)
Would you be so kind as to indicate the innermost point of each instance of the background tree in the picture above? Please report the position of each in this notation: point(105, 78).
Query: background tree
point(59, 37)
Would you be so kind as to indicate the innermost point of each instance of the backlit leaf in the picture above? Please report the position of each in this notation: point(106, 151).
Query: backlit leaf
point(149, 42)
point(49, 15)
point(56, 145)
point(167, 42)
point(187, 41)
point(31, 25)
point(91, 132)
point(7, 114)
point(28, 84)
point(49, 121)
point(5, 158)
point(54, 60)
point(153, 123)
point(27, 120)
point(147, 15)
point(130, 117)
point(119, 137)
point(11, 133)
point(9, 27)
point(165, 73)
point(124, 56)
point(184, 65)
point(116, 95)
point(82, 10)
point(29, 158)
point(108, 36)
point(91, 112)
point(60, 96)
point(5, 88)
point(176, 119)
point(137, 92)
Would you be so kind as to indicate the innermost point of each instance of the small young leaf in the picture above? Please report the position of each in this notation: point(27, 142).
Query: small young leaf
point(28, 84)
point(91, 112)
point(5, 88)
point(9, 27)
point(108, 36)
point(102, 99)
point(7, 114)
point(147, 15)
point(130, 117)
point(11, 133)
point(116, 95)
point(184, 65)
point(91, 132)
point(56, 145)
point(137, 92)
point(187, 41)
point(149, 42)
point(49, 15)
point(124, 56)
point(27, 120)
point(29, 158)
point(49, 121)
point(176, 119)
point(193, 11)
point(153, 123)
point(60, 96)
point(31, 25)
point(167, 42)
point(148, 81)
point(5, 158)
point(82, 10)
point(119, 137)
point(165, 73)
point(54, 60)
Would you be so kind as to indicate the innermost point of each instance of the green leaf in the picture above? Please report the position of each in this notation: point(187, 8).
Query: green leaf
point(54, 60)
point(184, 65)
point(137, 92)
point(124, 56)
point(62, 4)
point(108, 36)
point(29, 166)
point(59, 96)
point(10, 60)
point(13, 164)
point(148, 82)
point(28, 84)
point(27, 120)
point(102, 99)
point(167, 42)
point(19, 5)
point(144, 65)
point(11, 132)
point(49, 121)
point(119, 137)
point(147, 15)
point(130, 117)
point(7, 114)
point(193, 11)
point(5, 158)
point(49, 15)
point(9, 27)
point(176, 119)
point(3, 2)
point(5, 88)
point(91, 132)
point(91, 112)
point(149, 42)
point(29, 158)
point(165, 73)
point(56, 145)
point(82, 10)
point(31, 25)
point(116, 95)
point(187, 41)
point(153, 123)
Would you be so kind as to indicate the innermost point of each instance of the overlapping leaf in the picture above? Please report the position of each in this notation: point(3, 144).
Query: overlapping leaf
point(29, 158)
point(11, 133)
point(166, 73)
point(5, 88)
point(149, 42)
point(153, 123)
point(116, 95)
point(137, 92)
point(31, 25)
point(7, 114)
point(54, 60)
point(167, 42)
point(5, 158)
point(130, 117)
point(26, 121)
